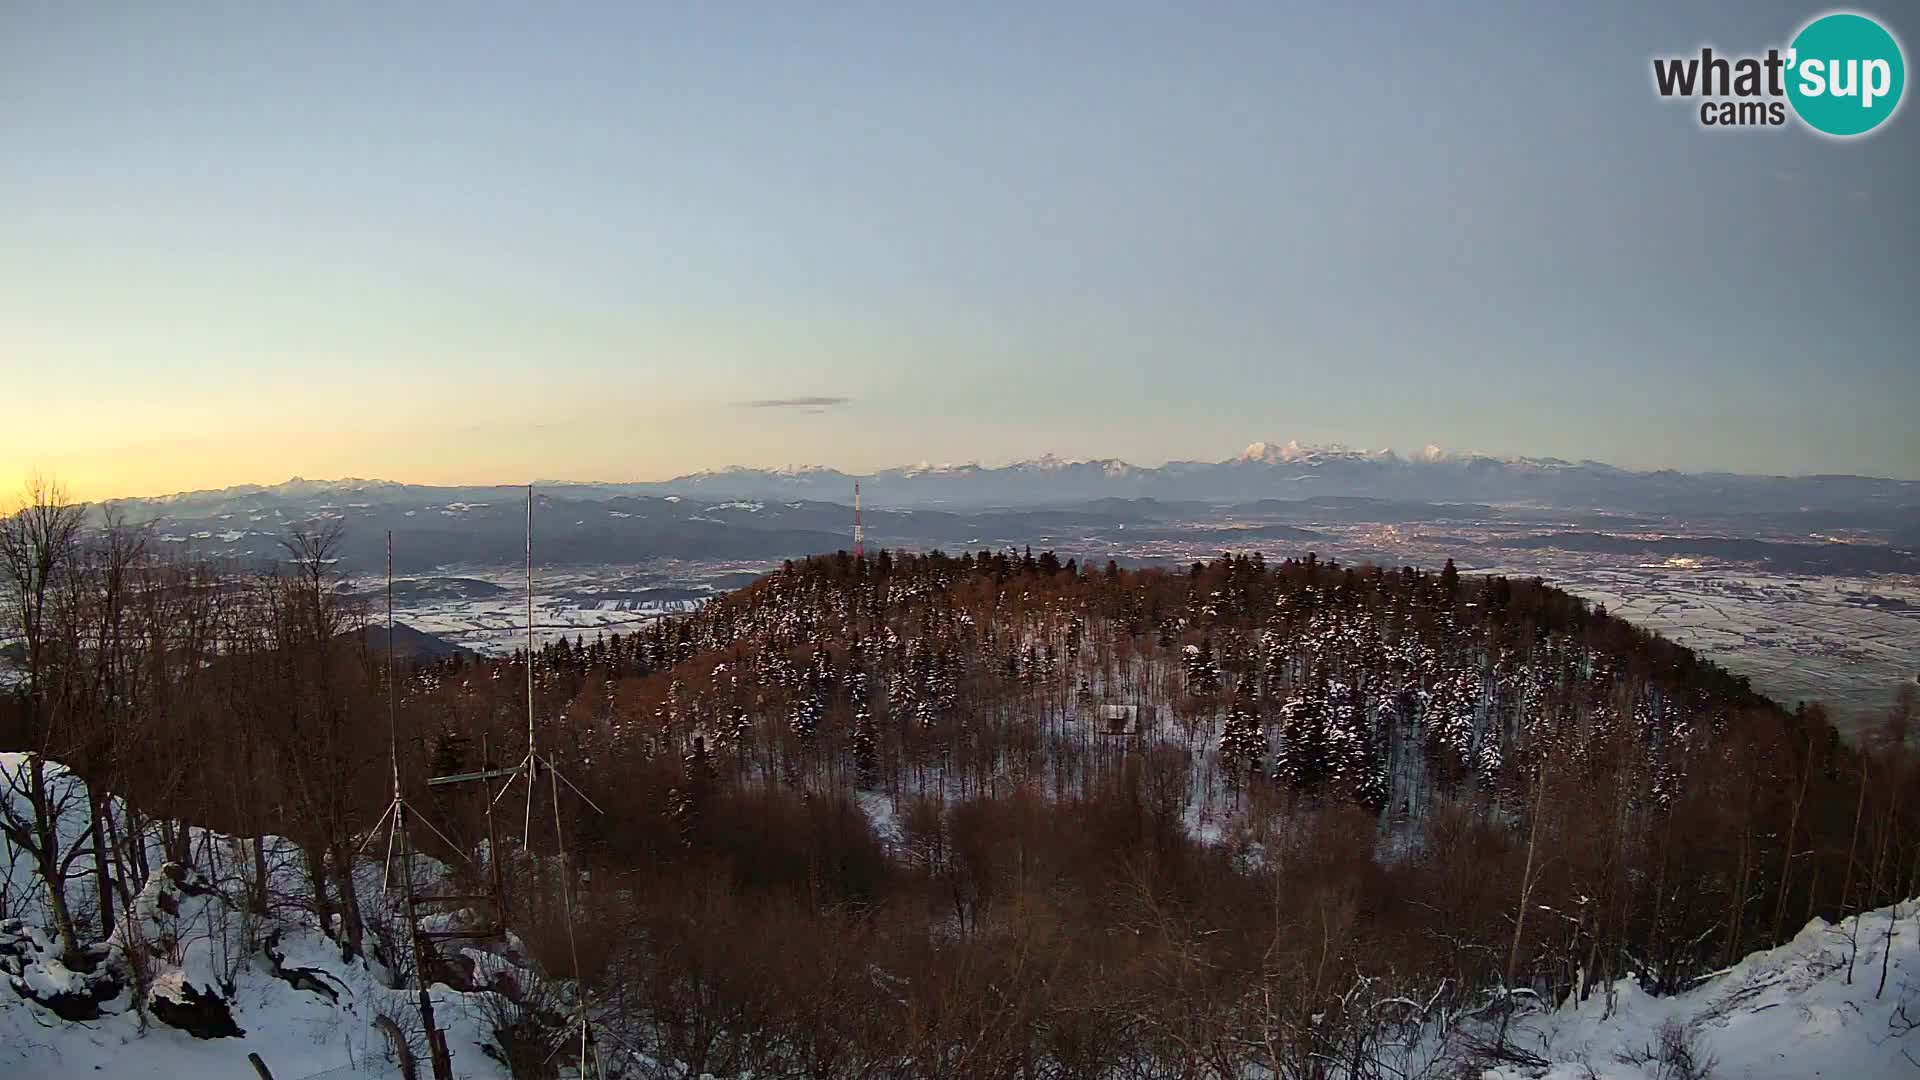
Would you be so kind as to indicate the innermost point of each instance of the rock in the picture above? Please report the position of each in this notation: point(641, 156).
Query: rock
point(70, 992)
point(201, 1014)
point(312, 980)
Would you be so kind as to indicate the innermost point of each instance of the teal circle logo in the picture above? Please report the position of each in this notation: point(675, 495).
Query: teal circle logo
point(1845, 74)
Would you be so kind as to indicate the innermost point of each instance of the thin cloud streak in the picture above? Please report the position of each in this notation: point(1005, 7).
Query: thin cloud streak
point(811, 404)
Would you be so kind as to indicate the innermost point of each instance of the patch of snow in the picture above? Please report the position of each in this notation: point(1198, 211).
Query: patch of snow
point(1779, 1014)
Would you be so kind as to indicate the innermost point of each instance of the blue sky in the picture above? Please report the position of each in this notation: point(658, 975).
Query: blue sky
point(490, 243)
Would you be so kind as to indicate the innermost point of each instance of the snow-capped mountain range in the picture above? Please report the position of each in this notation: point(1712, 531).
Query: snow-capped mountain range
point(1263, 470)
point(1289, 470)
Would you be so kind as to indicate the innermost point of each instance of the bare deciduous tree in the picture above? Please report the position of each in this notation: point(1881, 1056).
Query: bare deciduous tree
point(37, 545)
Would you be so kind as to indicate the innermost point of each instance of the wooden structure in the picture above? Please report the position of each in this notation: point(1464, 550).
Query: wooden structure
point(1123, 721)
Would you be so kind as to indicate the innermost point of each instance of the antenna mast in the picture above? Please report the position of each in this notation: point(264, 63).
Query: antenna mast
point(531, 768)
point(399, 836)
point(859, 529)
point(531, 755)
point(393, 708)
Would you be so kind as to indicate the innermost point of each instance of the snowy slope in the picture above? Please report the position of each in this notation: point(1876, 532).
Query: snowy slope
point(1789, 1013)
point(298, 1033)
point(289, 996)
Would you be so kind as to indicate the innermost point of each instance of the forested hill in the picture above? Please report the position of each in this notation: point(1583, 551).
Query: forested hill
point(1389, 689)
point(1463, 726)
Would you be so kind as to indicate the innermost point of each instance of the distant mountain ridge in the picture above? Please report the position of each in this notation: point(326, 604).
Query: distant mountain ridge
point(1266, 470)
point(1263, 470)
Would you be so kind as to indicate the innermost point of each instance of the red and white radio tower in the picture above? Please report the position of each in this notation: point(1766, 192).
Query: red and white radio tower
point(859, 530)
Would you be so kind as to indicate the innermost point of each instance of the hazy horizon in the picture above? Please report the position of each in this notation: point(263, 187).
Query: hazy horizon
point(443, 243)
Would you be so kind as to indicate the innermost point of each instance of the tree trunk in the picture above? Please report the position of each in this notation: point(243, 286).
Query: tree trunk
point(257, 895)
point(47, 857)
point(316, 860)
point(1526, 877)
point(1786, 855)
point(352, 926)
point(103, 881)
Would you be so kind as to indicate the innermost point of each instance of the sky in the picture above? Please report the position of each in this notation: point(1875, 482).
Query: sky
point(449, 243)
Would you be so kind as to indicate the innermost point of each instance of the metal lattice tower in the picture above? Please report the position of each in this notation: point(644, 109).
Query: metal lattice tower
point(859, 529)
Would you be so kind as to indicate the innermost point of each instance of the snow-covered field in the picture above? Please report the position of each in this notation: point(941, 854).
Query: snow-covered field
point(484, 608)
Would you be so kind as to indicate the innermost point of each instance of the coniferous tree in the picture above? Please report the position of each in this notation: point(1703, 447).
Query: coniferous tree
point(1243, 739)
point(1203, 671)
point(689, 800)
point(1300, 753)
point(1355, 766)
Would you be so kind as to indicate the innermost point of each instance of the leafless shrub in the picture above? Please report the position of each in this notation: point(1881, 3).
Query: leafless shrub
point(525, 1023)
point(1675, 1054)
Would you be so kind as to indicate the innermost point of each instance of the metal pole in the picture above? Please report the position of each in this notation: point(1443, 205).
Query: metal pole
point(393, 708)
point(493, 838)
point(442, 1068)
point(533, 755)
point(530, 745)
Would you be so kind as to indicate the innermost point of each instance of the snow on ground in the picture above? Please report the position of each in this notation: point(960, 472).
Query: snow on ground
point(1790, 1013)
point(880, 809)
point(298, 1033)
point(278, 986)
